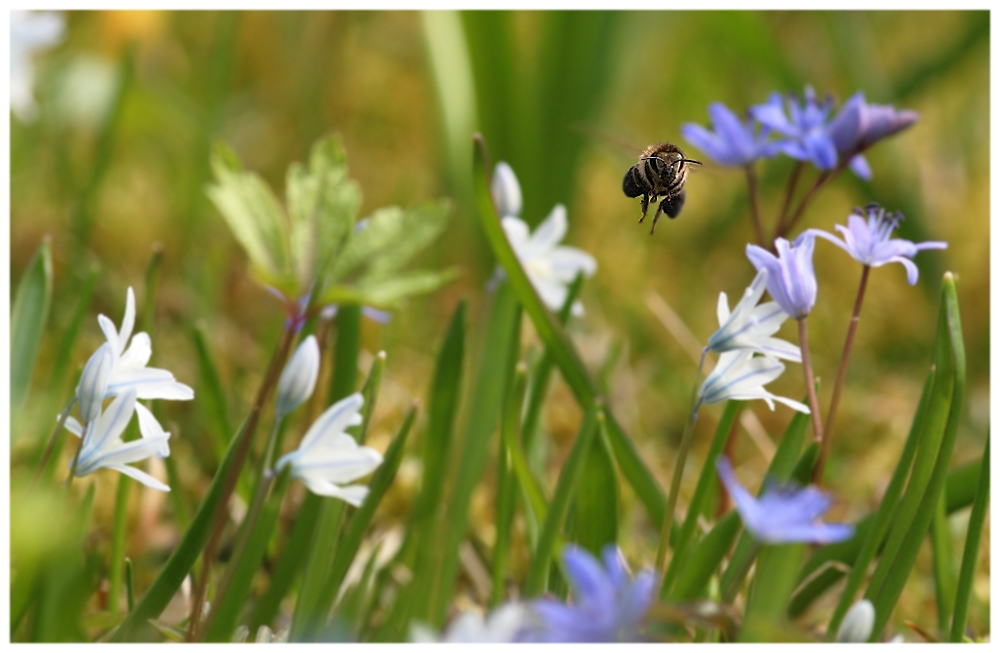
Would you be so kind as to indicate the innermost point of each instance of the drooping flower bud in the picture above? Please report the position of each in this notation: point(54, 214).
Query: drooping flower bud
point(299, 377)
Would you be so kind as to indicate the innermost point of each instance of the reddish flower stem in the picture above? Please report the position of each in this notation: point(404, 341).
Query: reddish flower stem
point(752, 184)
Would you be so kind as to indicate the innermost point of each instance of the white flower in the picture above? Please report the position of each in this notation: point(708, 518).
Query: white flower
point(858, 623)
point(103, 446)
point(503, 625)
point(298, 379)
point(327, 457)
point(750, 326)
point(740, 375)
point(506, 191)
point(30, 31)
point(93, 386)
point(550, 266)
point(129, 368)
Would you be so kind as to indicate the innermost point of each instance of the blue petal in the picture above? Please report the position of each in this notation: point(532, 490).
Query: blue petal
point(859, 166)
point(821, 149)
point(709, 143)
point(732, 131)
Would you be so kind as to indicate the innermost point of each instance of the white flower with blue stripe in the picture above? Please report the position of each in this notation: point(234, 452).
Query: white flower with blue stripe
point(750, 326)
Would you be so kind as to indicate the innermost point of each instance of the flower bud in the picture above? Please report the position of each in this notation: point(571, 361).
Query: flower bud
point(857, 625)
point(94, 383)
point(299, 377)
point(506, 191)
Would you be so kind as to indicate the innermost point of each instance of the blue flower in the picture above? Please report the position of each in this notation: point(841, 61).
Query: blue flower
point(870, 241)
point(608, 604)
point(785, 514)
point(859, 125)
point(791, 280)
point(805, 126)
point(733, 143)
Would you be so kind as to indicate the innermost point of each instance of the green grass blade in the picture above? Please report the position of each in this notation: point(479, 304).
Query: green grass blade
point(370, 392)
point(169, 580)
point(705, 481)
point(210, 392)
point(944, 574)
point(883, 516)
point(535, 500)
point(118, 543)
point(592, 521)
point(693, 577)
point(951, 363)
point(569, 476)
point(28, 316)
point(360, 521)
point(777, 568)
point(233, 596)
point(573, 370)
point(971, 552)
point(510, 427)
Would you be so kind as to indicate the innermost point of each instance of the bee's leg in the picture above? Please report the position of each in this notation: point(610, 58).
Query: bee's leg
point(656, 218)
point(645, 207)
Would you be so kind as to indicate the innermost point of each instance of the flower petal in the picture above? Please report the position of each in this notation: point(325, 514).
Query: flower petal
point(334, 421)
point(141, 476)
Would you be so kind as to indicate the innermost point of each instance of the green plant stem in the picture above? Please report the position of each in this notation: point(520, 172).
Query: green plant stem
point(758, 227)
point(810, 383)
point(510, 426)
point(221, 509)
point(56, 432)
point(118, 543)
point(824, 451)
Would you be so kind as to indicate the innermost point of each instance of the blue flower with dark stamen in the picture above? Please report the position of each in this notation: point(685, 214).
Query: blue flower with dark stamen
point(859, 125)
point(783, 514)
point(870, 242)
point(733, 143)
point(805, 127)
point(608, 604)
point(790, 276)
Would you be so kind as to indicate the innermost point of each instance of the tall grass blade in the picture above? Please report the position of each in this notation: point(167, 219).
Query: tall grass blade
point(970, 554)
point(28, 316)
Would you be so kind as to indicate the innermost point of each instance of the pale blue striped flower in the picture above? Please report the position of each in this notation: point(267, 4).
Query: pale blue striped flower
point(328, 457)
point(93, 386)
point(608, 604)
point(742, 376)
point(103, 447)
point(298, 379)
point(870, 242)
point(783, 514)
point(750, 326)
point(791, 280)
point(506, 624)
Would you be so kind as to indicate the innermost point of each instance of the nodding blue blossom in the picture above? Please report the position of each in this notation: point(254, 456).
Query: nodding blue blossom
point(857, 625)
point(506, 191)
point(30, 32)
point(734, 142)
point(129, 368)
point(102, 445)
point(783, 514)
point(550, 267)
point(750, 326)
point(870, 242)
point(328, 457)
point(807, 134)
point(741, 375)
point(859, 125)
point(608, 603)
point(510, 622)
point(791, 280)
point(298, 379)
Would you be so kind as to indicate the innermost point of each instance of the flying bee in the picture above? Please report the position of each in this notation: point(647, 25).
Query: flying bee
point(661, 171)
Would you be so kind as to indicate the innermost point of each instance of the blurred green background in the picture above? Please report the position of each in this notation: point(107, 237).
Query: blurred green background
point(130, 103)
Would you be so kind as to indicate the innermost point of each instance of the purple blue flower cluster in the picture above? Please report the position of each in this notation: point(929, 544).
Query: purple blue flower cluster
point(806, 130)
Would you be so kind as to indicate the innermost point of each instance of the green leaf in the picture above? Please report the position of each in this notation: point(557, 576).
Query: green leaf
point(884, 516)
point(252, 212)
point(510, 427)
point(118, 543)
point(573, 370)
point(172, 574)
point(27, 322)
point(592, 521)
point(944, 574)
point(777, 568)
point(970, 555)
point(935, 450)
point(210, 392)
point(706, 479)
point(693, 577)
point(569, 476)
point(322, 206)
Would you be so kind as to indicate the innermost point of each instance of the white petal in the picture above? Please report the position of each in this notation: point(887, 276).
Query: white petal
point(722, 309)
point(120, 453)
point(129, 320)
point(505, 190)
point(517, 233)
point(334, 420)
point(94, 381)
point(781, 349)
point(567, 262)
point(112, 422)
point(552, 230)
point(142, 477)
point(298, 379)
point(338, 466)
point(110, 333)
point(138, 353)
point(552, 294)
point(352, 494)
point(72, 425)
point(150, 427)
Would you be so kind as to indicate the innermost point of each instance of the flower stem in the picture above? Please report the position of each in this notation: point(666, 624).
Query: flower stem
point(53, 439)
point(841, 375)
point(752, 184)
point(810, 384)
point(793, 181)
point(675, 482)
point(269, 382)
